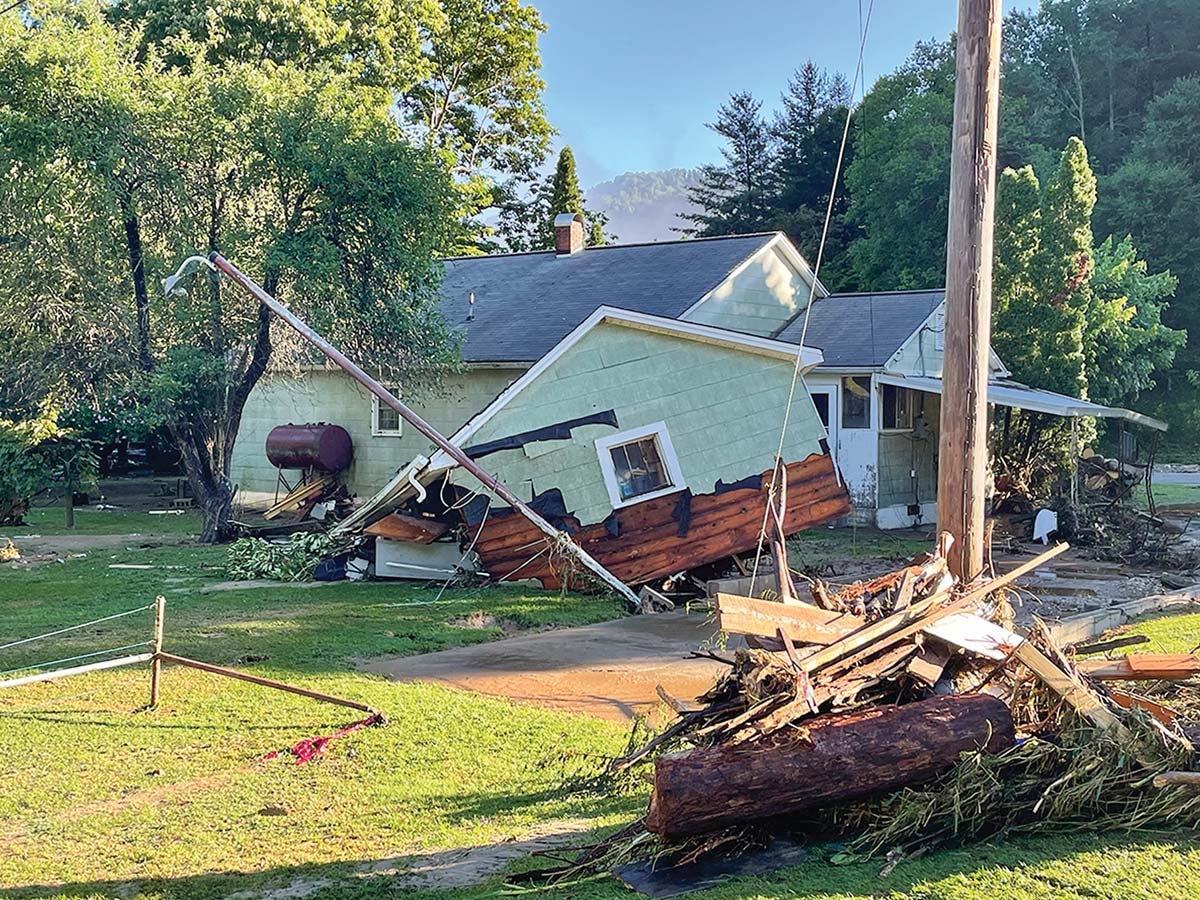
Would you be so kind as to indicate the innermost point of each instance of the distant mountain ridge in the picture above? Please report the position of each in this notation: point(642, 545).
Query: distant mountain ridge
point(644, 206)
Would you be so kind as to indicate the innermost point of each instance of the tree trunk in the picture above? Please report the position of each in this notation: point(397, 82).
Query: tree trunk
point(212, 490)
point(137, 274)
point(827, 760)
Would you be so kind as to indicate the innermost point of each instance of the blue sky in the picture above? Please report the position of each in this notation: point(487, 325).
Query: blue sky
point(630, 84)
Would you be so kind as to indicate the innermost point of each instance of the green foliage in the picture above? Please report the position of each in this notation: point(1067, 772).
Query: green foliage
point(898, 179)
point(33, 453)
point(293, 560)
point(736, 197)
point(565, 197)
point(297, 170)
point(644, 206)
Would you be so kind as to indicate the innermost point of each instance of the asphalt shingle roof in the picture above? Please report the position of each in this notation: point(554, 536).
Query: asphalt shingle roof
point(525, 303)
point(863, 329)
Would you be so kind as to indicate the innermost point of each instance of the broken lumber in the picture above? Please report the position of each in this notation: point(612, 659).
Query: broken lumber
point(802, 622)
point(1068, 687)
point(830, 759)
point(413, 529)
point(1171, 779)
point(1142, 667)
point(900, 625)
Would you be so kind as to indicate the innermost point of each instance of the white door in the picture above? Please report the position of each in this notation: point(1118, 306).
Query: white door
point(825, 400)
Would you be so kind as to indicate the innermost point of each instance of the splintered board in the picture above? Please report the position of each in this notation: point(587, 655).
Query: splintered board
point(653, 539)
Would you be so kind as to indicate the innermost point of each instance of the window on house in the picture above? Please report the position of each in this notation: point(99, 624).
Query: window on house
point(939, 329)
point(856, 402)
point(897, 407)
point(385, 421)
point(639, 464)
point(821, 402)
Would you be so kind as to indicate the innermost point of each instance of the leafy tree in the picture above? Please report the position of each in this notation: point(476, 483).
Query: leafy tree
point(565, 195)
point(898, 181)
point(303, 177)
point(465, 74)
point(1069, 316)
point(736, 197)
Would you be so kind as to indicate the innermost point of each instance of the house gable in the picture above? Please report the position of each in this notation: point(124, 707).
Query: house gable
point(721, 402)
point(922, 352)
point(762, 294)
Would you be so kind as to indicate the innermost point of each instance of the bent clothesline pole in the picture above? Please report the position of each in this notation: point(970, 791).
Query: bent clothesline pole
point(162, 656)
point(409, 415)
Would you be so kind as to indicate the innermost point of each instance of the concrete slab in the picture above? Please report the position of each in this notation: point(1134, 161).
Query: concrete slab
point(609, 670)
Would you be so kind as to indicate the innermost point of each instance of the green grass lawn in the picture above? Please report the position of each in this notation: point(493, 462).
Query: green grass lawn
point(92, 521)
point(100, 798)
point(1169, 495)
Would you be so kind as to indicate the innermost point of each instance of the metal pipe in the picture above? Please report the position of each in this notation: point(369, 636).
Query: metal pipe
point(409, 415)
point(77, 670)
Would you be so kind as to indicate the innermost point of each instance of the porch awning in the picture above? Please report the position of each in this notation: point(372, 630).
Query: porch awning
point(1003, 392)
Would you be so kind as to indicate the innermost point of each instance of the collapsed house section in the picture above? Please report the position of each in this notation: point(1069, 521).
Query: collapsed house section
point(646, 441)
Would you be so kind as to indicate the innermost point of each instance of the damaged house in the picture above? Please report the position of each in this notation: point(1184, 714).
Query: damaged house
point(633, 394)
point(878, 392)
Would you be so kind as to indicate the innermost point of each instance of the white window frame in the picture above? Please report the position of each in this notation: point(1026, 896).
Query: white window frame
point(376, 431)
point(939, 328)
point(666, 452)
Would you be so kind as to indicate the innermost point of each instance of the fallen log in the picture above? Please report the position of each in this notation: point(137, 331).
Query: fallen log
point(831, 759)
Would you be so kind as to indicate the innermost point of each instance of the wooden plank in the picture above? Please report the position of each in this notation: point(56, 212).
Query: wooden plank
point(927, 666)
point(907, 622)
point(801, 622)
point(414, 529)
point(1164, 714)
point(1142, 667)
point(1068, 687)
point(298, 496)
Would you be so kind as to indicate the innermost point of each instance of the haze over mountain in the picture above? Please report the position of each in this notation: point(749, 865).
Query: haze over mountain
point(644, 206)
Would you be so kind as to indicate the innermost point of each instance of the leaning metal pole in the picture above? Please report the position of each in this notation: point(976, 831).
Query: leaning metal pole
point(409, 415)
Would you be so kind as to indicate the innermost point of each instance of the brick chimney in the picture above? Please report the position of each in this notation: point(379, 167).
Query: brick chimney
point(568, 233)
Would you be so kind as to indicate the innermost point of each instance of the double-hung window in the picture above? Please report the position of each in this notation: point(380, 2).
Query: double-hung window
point(639, 464)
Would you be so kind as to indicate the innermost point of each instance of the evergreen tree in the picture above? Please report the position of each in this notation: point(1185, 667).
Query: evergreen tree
point(738, 196)
point(808, 134)
point(561, 194)
point(565, 195)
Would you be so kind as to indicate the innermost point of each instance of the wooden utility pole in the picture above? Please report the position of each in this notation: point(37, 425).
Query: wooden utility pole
point(962, 450)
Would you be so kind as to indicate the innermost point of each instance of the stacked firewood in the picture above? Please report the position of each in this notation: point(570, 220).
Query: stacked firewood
point(892, 686)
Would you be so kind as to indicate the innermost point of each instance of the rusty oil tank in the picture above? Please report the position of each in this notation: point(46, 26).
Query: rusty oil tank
point(326, 448)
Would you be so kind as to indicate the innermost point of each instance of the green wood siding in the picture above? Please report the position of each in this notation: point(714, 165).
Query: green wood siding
point(920, 354)
point(334, 397)
point(723, 409)
point(760, 299)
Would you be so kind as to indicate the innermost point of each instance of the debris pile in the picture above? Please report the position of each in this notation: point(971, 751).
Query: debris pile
point(899, 715)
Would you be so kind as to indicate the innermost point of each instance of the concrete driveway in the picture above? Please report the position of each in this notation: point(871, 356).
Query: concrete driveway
point(609, 670)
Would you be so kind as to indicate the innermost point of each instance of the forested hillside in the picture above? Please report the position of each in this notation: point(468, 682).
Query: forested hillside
point(645, 206)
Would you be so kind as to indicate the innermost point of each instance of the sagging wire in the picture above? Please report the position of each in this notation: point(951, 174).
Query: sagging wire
point(50, 634)
point(864, 27)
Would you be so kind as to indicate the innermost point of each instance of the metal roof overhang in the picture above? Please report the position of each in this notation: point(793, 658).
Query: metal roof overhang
point(1020, 396)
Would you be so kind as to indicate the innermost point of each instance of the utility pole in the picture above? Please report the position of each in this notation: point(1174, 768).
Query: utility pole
point(962, 449)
